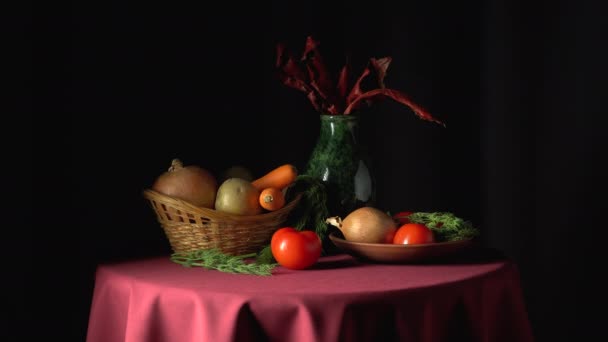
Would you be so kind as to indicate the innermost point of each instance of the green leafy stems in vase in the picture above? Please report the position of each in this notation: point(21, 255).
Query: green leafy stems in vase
point(339, 159)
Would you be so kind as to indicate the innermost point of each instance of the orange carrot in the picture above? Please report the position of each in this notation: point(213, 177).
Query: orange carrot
point(272, 199)
point(278, 178)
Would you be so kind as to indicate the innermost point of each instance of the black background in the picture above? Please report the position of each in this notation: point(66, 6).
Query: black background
point(521, 87)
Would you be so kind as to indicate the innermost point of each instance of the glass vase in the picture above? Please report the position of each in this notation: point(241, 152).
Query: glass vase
point(342, 162)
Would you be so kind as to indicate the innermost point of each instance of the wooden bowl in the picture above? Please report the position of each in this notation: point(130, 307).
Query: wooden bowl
point(394, 253)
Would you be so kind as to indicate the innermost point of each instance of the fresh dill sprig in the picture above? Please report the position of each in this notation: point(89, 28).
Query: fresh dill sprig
point(312, 211)
point(215, 259)
point(446, 226)
point(265, 256)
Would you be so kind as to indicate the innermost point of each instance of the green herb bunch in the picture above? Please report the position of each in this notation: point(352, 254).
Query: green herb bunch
point(215, 259)
point(445, 226)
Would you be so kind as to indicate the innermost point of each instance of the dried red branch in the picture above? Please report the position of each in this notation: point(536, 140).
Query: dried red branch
point(342, 89)
point(381, 66)
point(397, 96)
point(314, 100)
point(343, 80)
point(317, 70)
point(356, 91)
point(290, 72)
point(311, 76)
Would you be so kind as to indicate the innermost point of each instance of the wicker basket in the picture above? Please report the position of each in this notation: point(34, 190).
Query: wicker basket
point(190, 228)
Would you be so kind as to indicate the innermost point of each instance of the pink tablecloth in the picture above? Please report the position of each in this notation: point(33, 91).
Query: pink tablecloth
point(340, 299)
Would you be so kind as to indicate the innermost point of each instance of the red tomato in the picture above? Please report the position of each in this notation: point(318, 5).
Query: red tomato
point(413, 233)
point(295, 249)
point(402, 217)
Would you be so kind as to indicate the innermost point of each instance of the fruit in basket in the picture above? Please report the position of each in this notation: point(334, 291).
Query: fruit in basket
point(238, 196)
point(279, 177)
point(272, 199)
point(366, 224)
point(237, 171)
point(191, 183)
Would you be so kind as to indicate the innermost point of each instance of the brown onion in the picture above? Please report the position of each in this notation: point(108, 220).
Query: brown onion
point(192, 184)
point(366, 224)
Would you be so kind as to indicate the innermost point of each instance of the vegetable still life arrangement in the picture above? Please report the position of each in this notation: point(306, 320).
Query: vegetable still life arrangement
point(294, 241)
point(240, 223)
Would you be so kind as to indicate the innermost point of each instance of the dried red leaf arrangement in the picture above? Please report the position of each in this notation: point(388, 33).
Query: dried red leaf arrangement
point(335, 95)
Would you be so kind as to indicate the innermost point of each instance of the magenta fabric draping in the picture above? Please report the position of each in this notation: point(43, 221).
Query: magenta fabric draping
point(339, 299)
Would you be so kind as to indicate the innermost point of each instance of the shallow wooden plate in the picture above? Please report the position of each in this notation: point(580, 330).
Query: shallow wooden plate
point(392, 253)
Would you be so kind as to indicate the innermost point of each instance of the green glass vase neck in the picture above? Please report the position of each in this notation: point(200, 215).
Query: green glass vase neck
point(338, 132)
point(338, 118)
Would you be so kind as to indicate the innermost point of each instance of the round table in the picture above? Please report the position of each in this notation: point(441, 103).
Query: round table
point(340, 299)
